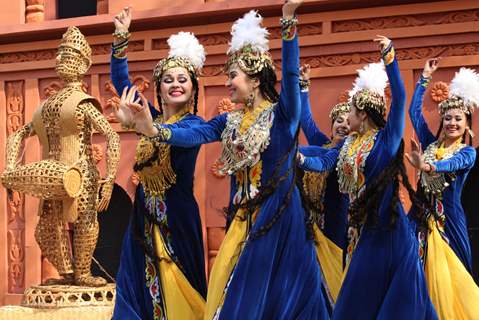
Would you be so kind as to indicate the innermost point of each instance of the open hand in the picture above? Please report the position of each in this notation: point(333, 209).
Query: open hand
point(415, 158)
point(304, 72)
point(122, 20)
point(430, 67)
point(289, 8)
point(141, 116)
point(383, 42)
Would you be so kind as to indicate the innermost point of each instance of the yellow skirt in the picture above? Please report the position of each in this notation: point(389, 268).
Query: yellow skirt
point(224, 264)
point(182, 301)
point(452, 289)
point(330, 258)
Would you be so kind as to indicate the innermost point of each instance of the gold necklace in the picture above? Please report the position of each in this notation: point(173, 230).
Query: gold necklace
point(352, 160)
point(435, 182)
point(159, 176)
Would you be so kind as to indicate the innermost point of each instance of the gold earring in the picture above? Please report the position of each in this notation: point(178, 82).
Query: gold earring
point(361, 127)
point(249, 102)
point(469, 131)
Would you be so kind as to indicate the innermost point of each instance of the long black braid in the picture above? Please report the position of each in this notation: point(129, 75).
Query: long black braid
point(310, 207)
point(268, 79)
point(267, 190)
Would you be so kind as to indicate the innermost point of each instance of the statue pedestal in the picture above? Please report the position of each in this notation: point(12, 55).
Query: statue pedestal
point(63, 303)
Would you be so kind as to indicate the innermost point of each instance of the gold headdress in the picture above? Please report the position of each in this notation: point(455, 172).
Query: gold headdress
point(74, 39)
point(340, 108)
point(249, 44)
point(369, 86)
point(463, 92)
point(185, 51)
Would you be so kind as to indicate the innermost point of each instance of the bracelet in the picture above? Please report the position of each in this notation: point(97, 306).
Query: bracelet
point(388, 54)
point(164, 134)
point(119, 49)
point(124, 35)
point(288, 27)
point(304, 84)
point(424, 81)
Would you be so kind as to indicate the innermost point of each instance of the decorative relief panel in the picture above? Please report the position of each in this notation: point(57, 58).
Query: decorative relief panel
point(405, 21)
point(15, 105)
point(225, 37)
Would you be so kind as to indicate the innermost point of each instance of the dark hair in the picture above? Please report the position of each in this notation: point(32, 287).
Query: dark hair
point(194, 81)
point(266, 190)
point(469, 124)
point(365, 208)
point(311, 209)
point(375, 117)
point(267, 81)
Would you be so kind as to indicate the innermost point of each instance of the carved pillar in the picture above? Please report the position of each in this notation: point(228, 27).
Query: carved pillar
point(34, 10)
point(102, 7)
point(14, 92)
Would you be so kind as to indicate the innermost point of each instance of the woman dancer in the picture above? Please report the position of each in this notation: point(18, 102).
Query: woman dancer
point(384, 279)
point(442, 232)
point(162, 273)
point(320, 191)
point(266, 267)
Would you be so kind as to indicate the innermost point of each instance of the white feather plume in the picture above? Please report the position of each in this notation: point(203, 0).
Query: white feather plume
point(186, 45)
point(465, 85)
point(372, 77)
point(248, 31)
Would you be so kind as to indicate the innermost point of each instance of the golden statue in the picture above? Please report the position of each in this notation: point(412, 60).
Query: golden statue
point(67, 179)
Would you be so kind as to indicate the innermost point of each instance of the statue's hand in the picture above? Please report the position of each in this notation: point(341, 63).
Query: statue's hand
point(105, 196)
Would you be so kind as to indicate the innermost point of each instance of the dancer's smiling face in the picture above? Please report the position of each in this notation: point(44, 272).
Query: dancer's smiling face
point(454, 123)
point(340, 128)
point(176, 87)
point(239, 84)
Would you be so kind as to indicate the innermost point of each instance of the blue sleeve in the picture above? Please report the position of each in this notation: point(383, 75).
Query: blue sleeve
point(312, 151)
point(195, 135)
point(309, 127)
point(417, 118)
point(394, 129)
point(119, 75)
point(464, 159)
point(289, 98)
point(322, 163)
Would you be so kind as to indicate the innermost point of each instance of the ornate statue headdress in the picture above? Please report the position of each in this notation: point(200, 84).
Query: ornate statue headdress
point(340, 108)
point(249, 44)
point(74, 39)
point(185, 51)
point(463, 92)
point(368, 88)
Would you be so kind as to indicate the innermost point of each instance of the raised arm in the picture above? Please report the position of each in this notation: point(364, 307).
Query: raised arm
point(14, 143)
point(309, 127)
point(325, 162)
point(415, 109)
point(101, 125)
point(119, 73)
point(415, 114)
point(394, 128)
point(289, 100)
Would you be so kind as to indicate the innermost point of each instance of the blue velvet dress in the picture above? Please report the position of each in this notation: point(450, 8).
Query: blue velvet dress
point(134, 298)
point(460, 164)
point(335, 203)
point(384, 278)
point(276, 275)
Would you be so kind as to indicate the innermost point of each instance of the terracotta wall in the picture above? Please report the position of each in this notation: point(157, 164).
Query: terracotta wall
point(335, 40)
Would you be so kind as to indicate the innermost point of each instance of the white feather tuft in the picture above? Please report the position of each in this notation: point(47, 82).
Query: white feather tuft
point(466, 86)
point(248, 31)
point(372, 77)
point(186, 45)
